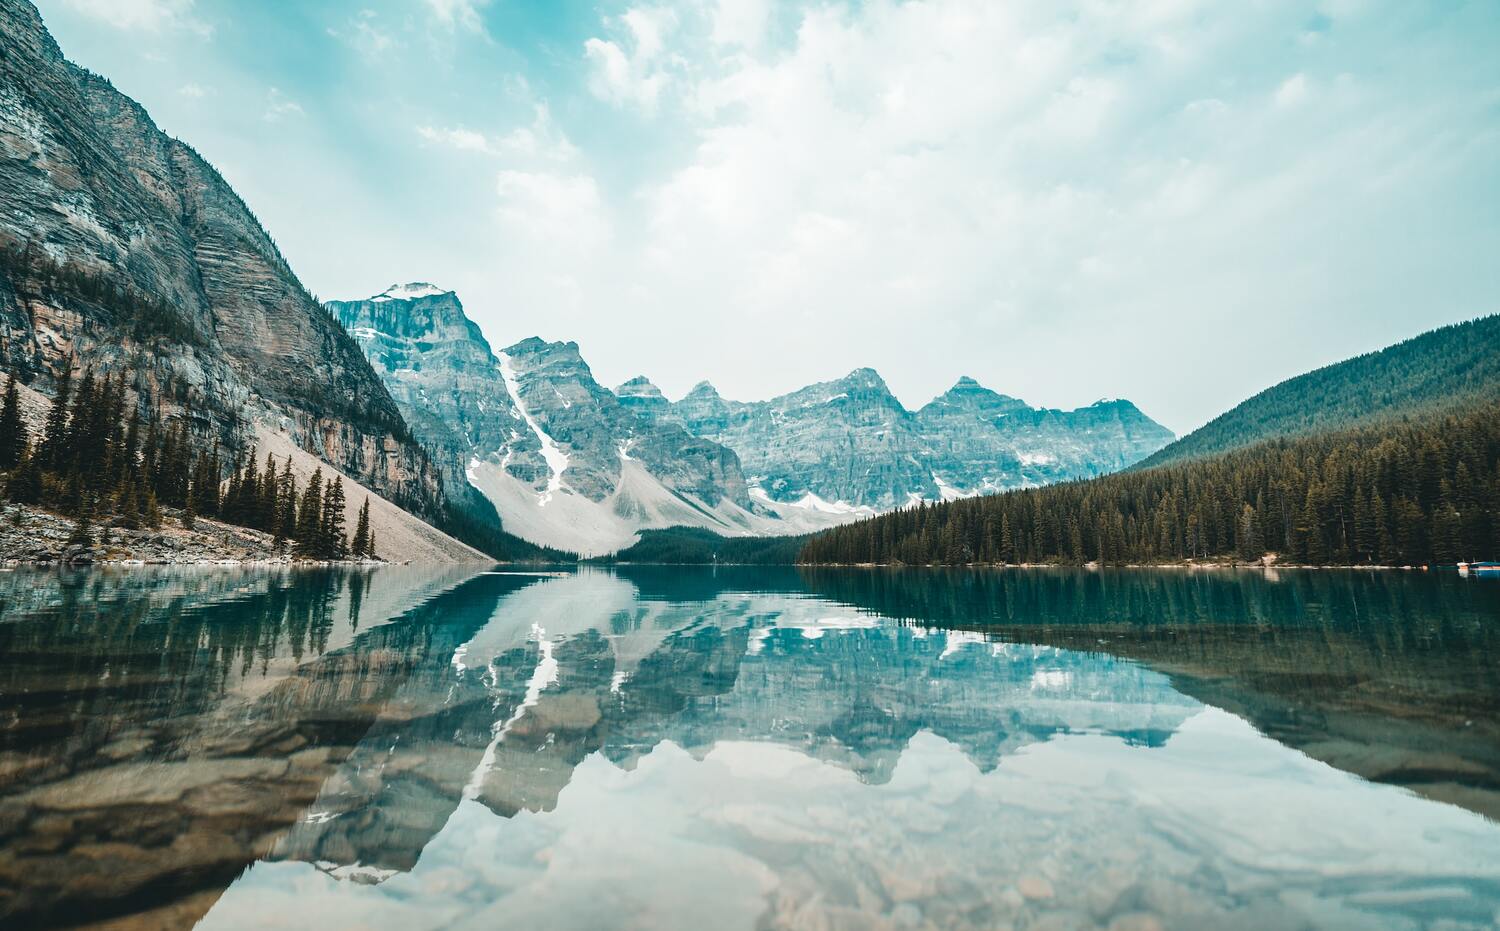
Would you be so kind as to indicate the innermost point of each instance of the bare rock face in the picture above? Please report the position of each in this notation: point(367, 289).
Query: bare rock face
point(851, 441)
point(845, 440)
point(444, 377)
point(980, 441)
point(599, 432)
point(92, 187)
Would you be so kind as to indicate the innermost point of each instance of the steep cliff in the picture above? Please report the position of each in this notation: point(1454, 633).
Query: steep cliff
point(125, 251)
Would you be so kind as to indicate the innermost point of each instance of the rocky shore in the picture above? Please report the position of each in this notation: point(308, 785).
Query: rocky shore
point(33, 536)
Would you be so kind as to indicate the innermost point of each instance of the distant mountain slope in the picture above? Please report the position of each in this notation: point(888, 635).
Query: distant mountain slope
point(850, 445)
point(122, 250)
point(1450, 365)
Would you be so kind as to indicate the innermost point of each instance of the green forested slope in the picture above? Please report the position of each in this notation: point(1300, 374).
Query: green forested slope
point(1395, 492)
point(1454, 364)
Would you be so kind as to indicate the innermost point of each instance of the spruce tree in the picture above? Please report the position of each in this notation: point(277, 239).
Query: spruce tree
point(333, 544)
point(83, 527)
point(361, 546)
point(12, 429)
point(310, 518)
point(55, 431)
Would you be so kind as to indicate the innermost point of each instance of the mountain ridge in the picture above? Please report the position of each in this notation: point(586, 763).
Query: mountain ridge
point(1437, 367)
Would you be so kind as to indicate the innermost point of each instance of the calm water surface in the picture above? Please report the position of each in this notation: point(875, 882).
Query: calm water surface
point(412, 749)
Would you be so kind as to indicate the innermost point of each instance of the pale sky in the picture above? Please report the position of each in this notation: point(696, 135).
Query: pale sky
point(1174, 201)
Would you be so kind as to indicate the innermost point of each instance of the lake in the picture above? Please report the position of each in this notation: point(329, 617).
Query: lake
point(770, 748)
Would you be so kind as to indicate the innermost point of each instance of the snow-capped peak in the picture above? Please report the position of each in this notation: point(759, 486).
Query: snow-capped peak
point(408, 292)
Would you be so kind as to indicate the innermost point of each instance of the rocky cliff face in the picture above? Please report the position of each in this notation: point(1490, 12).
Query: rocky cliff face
point(978, 441)
point(562, 460)
point(846, 441)
point(126, 251)
point(445, 379)
point(850, 443)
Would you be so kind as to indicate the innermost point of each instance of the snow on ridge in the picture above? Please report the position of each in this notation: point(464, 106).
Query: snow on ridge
point(557, 460)
point(947, 492)
point(811, 502)
point(408, 292)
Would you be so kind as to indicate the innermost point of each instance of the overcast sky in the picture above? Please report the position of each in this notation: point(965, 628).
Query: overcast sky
point(1175, 201)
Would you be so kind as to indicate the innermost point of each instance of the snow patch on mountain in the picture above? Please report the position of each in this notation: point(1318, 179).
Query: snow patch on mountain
point(408, 292)
point(556, 459)
point(639, 502)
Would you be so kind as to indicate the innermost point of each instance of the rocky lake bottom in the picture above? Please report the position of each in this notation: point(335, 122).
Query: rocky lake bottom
point(410, 748)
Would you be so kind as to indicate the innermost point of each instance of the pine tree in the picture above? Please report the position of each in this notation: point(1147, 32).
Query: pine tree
point(25, 485)
point(333, 544)
point(55, 431)
point(361, 546)
point(12, 429)
point(190, 509)
point(286, 527)
point(83, 528)
point(310, 518)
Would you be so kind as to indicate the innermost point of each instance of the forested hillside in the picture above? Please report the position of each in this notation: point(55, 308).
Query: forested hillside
point(1452, 365)
point(1405, 492)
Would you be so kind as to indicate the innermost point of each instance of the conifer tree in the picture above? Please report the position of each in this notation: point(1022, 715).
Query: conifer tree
point(361, 546)
point(12, 429)
point(310, 518)
point(55, 431)
point(333, 544)
point(83, 527)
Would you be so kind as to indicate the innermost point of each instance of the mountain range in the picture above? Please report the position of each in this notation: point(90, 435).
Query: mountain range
point(567, 463)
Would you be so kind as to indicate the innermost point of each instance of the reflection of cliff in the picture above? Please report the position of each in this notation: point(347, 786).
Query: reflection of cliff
point(1390, 676)
point(153, 749)
point(583, 664)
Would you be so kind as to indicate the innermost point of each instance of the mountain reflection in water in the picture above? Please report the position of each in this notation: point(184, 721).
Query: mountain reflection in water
point(682, 748)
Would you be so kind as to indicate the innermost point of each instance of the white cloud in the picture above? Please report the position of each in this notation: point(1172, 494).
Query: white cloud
point(741, 22)
point(147, 15)
point(194, 91)
point(1038, 181)
point(566, 208)
point(462, 14)
point(365, 35)
point(279, 107)
point(1292, 91)
point(637, 76)
point(541, 141)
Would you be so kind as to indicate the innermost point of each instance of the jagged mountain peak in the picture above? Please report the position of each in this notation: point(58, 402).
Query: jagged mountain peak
point(703, 390)
point(640, 387)
point(534, 345)
point(865, 377)
point(967, 394)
